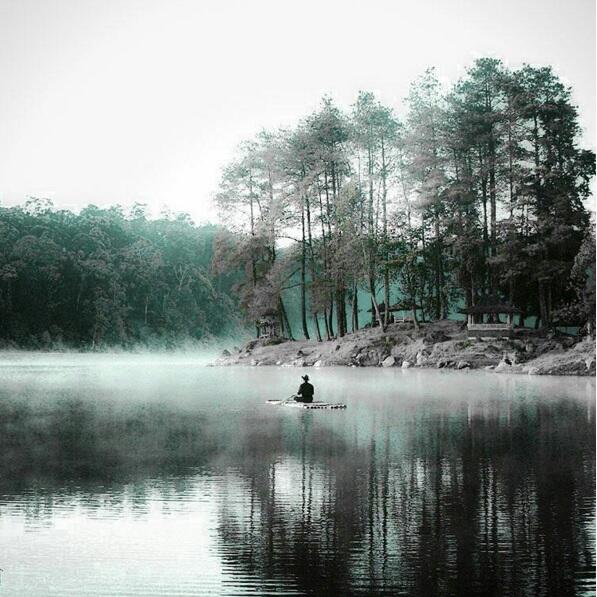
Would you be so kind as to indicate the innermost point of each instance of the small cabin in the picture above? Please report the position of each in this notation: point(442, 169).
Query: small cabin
point(490, 318)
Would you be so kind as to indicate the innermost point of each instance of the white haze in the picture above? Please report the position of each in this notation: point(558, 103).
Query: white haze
point(129, 361)
point(123, 101)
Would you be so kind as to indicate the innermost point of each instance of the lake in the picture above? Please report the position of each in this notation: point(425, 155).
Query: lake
point(136, 475)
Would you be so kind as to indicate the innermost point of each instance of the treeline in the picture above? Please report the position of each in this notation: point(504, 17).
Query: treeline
point(476, 191)
point(104, 277)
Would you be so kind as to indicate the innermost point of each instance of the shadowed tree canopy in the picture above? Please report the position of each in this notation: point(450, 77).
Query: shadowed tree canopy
point(106, 278)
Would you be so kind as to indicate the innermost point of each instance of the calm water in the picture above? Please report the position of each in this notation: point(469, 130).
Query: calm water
point(135, 476)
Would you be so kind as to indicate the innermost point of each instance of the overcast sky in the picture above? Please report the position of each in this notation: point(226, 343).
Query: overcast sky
point(118, 101)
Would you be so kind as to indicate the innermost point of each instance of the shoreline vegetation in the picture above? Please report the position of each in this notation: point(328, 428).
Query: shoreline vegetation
point(442, 345)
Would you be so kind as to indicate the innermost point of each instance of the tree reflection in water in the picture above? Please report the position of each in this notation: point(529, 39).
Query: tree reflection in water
point(496, 500)
point(419, 497)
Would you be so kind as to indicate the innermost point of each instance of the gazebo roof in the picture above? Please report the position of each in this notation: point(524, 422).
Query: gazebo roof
point(402, 306)
point(490, 304)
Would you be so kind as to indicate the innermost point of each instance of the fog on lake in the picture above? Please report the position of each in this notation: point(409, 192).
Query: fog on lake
point(150, 475)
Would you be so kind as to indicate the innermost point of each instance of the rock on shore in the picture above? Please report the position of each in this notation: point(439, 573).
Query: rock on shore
point(441, 344)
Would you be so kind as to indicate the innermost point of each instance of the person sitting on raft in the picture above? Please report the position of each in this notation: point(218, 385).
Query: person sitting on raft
point(305, 391)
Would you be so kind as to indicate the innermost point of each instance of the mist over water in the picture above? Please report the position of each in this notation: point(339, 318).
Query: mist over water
point(155, 475)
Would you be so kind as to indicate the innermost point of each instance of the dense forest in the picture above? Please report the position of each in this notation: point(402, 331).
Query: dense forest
point(476, 192)
point(104, 277)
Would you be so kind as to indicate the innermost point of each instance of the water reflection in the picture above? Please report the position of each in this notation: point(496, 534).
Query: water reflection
point(452, 488)
point(477, 501)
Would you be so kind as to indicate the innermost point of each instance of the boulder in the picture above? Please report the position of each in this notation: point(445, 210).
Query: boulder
point(463, 365)
point(435, 336)
point(367, 358)
point(405, 364)
point(502, 366)
point(388, 362)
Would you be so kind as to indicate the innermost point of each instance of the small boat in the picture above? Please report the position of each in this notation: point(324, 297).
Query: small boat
point(307, 405)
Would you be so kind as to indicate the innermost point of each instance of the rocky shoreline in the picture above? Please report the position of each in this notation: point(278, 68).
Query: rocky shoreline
point(442, 344)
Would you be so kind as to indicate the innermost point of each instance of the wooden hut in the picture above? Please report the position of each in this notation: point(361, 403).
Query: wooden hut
point(401, 308)
point(483, 319)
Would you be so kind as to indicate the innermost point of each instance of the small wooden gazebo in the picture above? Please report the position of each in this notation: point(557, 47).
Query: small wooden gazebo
point(483, 318)
point(404, 307)
point(400, 307)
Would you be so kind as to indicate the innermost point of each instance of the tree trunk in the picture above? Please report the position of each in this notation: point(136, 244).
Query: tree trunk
point(492, 195)
point(386, 256)
point(371, 225)
point(510, 161)
point(253, 262)
point(376, 307)
point(355, 308)
point(376, 314)
point(327, 327)
point(340, 311)
point(386, 293)
point(543, 305)
point(415, 320)
point(317, 329)
point(439, 306)
point(285, 317)
point(303, 276)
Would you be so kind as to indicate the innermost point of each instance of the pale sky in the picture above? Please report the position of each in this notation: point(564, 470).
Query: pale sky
point(118, 101)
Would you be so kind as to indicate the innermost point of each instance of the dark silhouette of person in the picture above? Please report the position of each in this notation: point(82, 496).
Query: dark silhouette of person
point(305, 391)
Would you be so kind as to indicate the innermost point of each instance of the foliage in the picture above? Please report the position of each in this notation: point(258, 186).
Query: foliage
point(479, 190)
point(104, 277)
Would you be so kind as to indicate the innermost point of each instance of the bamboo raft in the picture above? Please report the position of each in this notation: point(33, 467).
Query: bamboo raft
point(308, 405)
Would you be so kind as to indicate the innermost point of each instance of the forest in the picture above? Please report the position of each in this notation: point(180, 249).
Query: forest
point(477, 192)
point(107, 278)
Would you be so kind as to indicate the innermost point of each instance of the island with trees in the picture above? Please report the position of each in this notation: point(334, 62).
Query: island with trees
point(476, 195)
